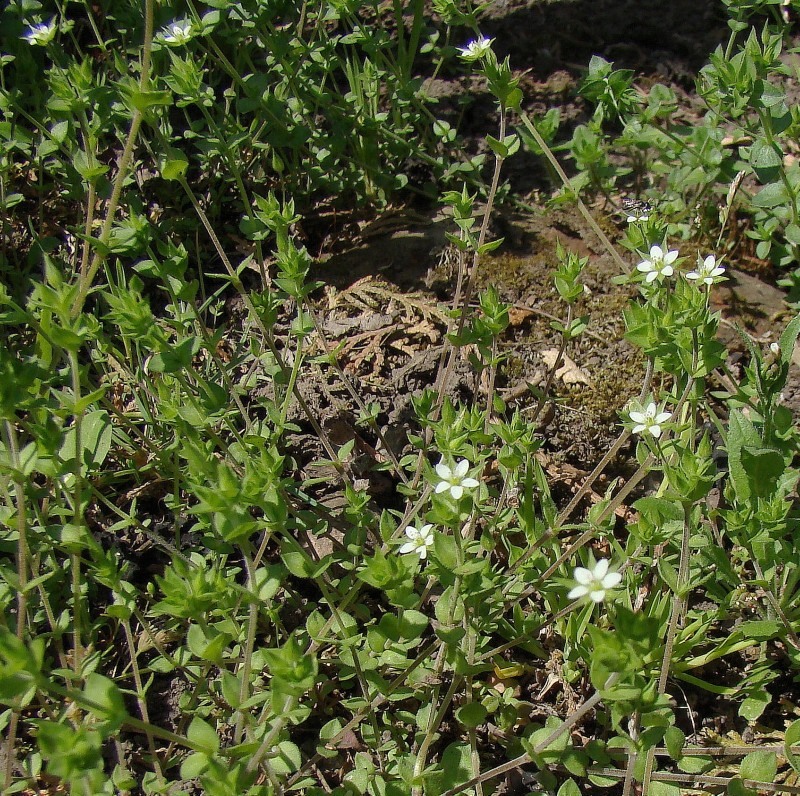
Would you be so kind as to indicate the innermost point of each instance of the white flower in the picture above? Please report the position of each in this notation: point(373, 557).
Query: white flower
point(634, 219)
point(454, 479)
point(40, 33)
point(594, 582)
point(476, 49)
point(178, 32)
point(419, 540)
point(649, 420)
point(707, 271)
point(658, 265)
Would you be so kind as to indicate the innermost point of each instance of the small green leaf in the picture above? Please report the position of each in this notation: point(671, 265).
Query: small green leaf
point(663, 789)
point(753, 706)
point(674, 739)
point(766, 159)
point(792, 739)
point(472, 715)
point(142, 100)
point(194, 765)
point(203, 736)
point(569, 788)
point(759, 766)
point(694, 764)
point(174, 164)
point(104, 702)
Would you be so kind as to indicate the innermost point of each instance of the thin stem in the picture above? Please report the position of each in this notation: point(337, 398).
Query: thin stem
point(140, 696)
point(85, 281)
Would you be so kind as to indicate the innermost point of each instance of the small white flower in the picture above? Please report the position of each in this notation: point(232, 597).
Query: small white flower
point(707, 271)
point(775, 348)
point(454, 480)
point(649, 420)
point(40, 33)
point(634, 219)
point(419, 540)
point(178, 32)
point(658, 265)
point(594, 582)
point(476, 49)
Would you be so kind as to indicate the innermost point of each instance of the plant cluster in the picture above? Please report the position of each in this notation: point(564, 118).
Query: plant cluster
point(178, 609)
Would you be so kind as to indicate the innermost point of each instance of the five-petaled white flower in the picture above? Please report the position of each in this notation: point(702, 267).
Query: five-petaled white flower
point(419, 540)
point(40, 33)
point(594, 582)
point(476, 49)
point(178, 32)
point(649, 420)
point(454, 479)
point(707, 271)
point(658, 264)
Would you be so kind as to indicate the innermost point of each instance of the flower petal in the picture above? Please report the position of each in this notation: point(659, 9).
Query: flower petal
point(600, 569)
point(583, 576)
point(656, 252)
point(670, 257)
point(577, 591)
point(443, 471)
point(597, 595)
point(611, 580)
point(456, 490)
point(442, 486)
point(470, 483)
point(461, 468)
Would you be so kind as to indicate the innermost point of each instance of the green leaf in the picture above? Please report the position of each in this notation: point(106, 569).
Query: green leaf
point(454, 769)
point(105, 702)
point(174, 164)
point(142, 100)
point(203, 736)
point(95, 440)
point(89, 170)
point(788, 339)
point(472, 715)
point(231, 688)
point(754, 705)
point(194, 765)
point(569, 788)
point(759, 766)
point(674, 739)
point(178, 357)
point(446, 551)
point(287, 759)
point(766, 159)
point(792, 739)
point(663, 789)
point(299, 563)
point(694, 764)
point(771, 195)
point(761, 629)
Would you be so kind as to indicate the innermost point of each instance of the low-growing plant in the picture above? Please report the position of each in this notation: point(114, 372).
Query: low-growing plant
point(183, 607)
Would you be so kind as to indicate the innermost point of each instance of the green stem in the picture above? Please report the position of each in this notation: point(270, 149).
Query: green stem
point(85, 282)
